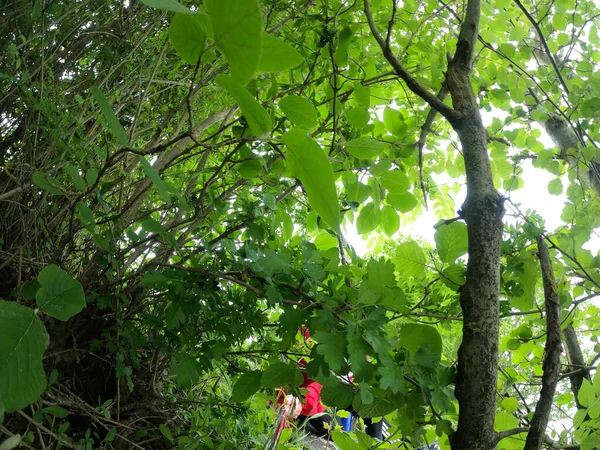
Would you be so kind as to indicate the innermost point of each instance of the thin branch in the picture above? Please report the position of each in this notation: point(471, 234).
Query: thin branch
point(425, 130)
point(410, 81)
point(545, 45)
point(508, 433)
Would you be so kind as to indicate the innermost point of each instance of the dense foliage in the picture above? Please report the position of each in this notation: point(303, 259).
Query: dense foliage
point(177, 181)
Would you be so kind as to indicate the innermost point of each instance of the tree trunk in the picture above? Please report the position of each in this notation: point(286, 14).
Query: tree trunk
point(483, 210)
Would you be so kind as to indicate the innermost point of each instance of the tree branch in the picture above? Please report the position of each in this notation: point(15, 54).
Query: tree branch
point(401, 71)
point(544, 44)
point(552, 350)
point(469, 33)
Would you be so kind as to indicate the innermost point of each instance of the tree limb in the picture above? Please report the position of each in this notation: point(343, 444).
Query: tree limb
point(410, 81)
point(552, 350)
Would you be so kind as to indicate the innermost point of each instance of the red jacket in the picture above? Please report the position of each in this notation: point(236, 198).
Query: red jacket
point(312, 399)
point(311, 404)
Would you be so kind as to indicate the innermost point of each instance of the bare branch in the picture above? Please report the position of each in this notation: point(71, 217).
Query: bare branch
point(410, 81)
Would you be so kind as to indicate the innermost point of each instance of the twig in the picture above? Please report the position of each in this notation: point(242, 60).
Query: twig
point(50, 433)
point(543, 41)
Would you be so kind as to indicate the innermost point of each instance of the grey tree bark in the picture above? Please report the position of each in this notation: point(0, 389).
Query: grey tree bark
point(482, 211)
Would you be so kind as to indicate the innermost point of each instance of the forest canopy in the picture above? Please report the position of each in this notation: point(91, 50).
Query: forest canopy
point(182, 184)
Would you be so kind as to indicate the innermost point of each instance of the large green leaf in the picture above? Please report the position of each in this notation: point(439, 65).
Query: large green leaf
point(586, 394)
point(157, 181)
point(378, 408)
point(277, 55)
point(333, 348)
point(186, 370)
point(311, 166)
point(167, 5)
point(281, 374)
point(368, 219)
point(257, 117)
point(109, 115)
point(246, 385)
point(390, 221)
point(187, 35)
point(61, 296)
point(238, 33)
point(22, 346)
point(415, 337)
point(343, 441)
point(451, 241)
point(299, 110)
point(410, 260)
point(337, 394)
point(365, 148)
point(395, 182)
point(402, 202)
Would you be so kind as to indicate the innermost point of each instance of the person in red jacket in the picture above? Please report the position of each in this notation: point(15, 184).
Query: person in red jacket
point(313, 412)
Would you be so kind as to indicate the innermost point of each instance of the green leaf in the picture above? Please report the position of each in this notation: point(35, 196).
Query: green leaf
point(338, 395)
point(258, 118)
point(91, 176)
point(358, 349)
point(77, 179)
point(47, 183)
point(362, 95)
point(390, 220)
point(167, 5)
point(451, 241)
point(186, 370)
point(402, 202)
point(415, 336)
point(246, 386)
point(152, 226)
point(238, 33)
point(187, 35)
point(410, 260)
point(15, 439)
point(510, 404)
point(300, 111)
point(61, 296)
point(379, 408)
point(333, 348)
point(157, 181)
point(358, 117)
point(392, 379)
point(365, 148)
point(585, 395)
point(311, 166)
point(325, 241)
point(344, 441)
point(110, 435)
point(22, 346)
point(86, 215)
point(166, 432)
point(559, 22)
point(555, 187)
point(57, 411)
point(109, 115)
point(281, 374)
point(368, 219)
point(395, 182)
point(277, 55)
point(513, 344)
